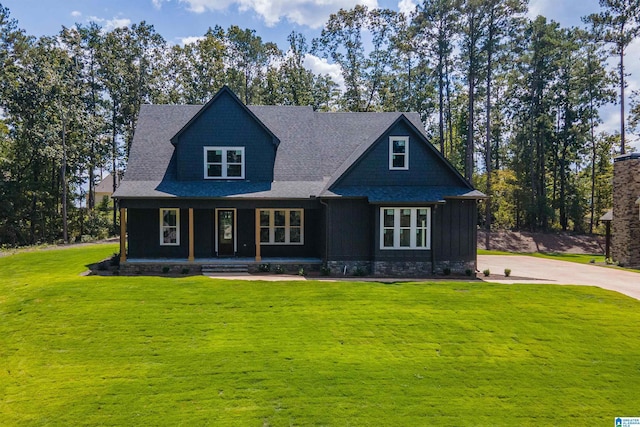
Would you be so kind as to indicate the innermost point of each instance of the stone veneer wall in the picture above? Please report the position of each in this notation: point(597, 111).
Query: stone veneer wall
point(401, 268)
point(625, 239)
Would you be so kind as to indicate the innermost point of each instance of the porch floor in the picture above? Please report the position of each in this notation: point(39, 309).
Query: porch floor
point(226, 261)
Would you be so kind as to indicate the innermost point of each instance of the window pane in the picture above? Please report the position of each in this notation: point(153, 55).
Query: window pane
point(169, 235)
point(214, 170)
point(264, 235)
point(278, 235)
point(399, 146)
point(214, 156)
point(388, 238)
point(234, 170)
point(405, 217)
point(264, 218)
point(294, 235)
point(388, 217)
point(295, 218)
point(398, 161)
point(421, 218)
point(421, 238)
point(405, 237)
point(169, 218)
point(279, 218)
point(234, 156)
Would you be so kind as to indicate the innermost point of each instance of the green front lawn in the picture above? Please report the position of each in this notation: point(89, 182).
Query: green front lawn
point(194, 351)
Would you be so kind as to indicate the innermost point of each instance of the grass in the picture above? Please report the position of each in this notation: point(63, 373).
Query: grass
point(578, 258)
point(195, 351)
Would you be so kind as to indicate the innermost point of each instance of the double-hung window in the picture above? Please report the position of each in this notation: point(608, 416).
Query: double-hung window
point(224, 162)
point(169, 227)
point(398, 152)
point(282, 226)
point(405, 228)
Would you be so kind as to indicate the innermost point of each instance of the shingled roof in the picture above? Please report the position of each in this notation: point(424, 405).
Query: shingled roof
point(311, 154)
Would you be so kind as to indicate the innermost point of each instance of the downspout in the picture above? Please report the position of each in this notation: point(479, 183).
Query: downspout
point(326, 231)
point(433, 251)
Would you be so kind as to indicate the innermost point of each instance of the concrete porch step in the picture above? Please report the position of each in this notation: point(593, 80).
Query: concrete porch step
point(208, 270)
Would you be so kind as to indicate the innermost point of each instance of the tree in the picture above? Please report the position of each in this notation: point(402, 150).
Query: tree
point(619, 25)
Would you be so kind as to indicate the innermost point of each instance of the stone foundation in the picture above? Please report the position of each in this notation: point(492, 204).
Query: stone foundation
point(402, 268)
point(625, 239)
point(159, 268)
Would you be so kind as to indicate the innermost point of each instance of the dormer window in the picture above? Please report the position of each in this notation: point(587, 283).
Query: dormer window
point(224, 162)
point(398, 152)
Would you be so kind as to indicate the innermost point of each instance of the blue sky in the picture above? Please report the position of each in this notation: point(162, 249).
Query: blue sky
point(182, 20)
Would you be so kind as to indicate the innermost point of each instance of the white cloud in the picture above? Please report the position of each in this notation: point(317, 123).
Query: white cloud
point(110, 24)
point(311, 13)
point(321, 66)
point(158, 3)
point(76, 14)
point(190, 40)
point(406, 7)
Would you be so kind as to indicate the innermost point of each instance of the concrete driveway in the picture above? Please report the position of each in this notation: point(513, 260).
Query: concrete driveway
point(561, 273)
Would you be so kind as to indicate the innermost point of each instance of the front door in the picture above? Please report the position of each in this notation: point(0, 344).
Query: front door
point(225, 218)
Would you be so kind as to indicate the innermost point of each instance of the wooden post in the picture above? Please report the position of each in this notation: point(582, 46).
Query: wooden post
point(608, 241)
point(123, 235)
point(258, 257)
point(191, 243)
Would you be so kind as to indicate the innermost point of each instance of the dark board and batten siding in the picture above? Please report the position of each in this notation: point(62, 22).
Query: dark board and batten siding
point(350, 230)
point(425, 168)
point(226, 123)
point(143, 226)
point(454, 231)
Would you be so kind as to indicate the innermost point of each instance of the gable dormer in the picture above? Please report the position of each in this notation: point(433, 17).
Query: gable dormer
point(401, 156)
point(225, 141)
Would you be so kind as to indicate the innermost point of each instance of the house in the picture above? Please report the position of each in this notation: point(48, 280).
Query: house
point(103, 189)
point(286, 184)
point(625, 219)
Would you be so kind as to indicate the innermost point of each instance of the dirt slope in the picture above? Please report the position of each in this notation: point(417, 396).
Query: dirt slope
point(521, 241)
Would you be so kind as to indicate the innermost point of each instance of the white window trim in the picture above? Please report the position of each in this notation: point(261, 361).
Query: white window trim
point(224, 162)
point(396, 227)
point(162, 227)
point(406, 152)
point(287, 227)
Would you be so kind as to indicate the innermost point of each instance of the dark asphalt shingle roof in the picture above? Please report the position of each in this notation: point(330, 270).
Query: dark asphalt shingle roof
point(315, 148)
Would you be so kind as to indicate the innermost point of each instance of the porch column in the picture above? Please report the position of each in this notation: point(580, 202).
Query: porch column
point(191, 243)
point(123, 235)
point(258, 257)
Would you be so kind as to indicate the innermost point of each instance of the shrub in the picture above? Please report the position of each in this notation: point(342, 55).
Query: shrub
point(359, 272)
point(301, 272)
point(166, 269)
point(592, 261)
point(325, 270)
point(264, 268)
point(115, 260)
point(278, 269)
point(446, 271)
point(486, 272)
point(507, 272)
